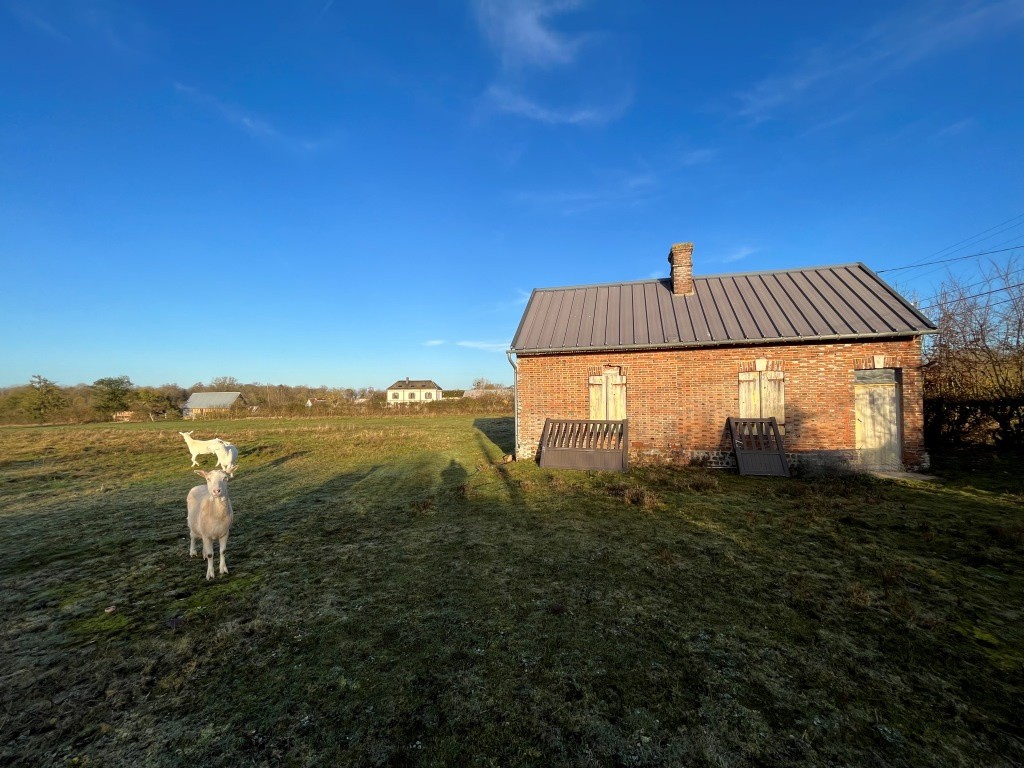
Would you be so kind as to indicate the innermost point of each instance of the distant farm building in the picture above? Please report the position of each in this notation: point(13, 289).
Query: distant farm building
point(123, 416)
point(412, 391)
point(211, 404)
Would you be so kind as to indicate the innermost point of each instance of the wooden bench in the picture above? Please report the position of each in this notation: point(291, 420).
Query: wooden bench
point(758, 447)
point(585, 444)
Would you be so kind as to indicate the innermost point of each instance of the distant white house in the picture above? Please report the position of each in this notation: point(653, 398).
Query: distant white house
point(412, 391)
point(203, 404)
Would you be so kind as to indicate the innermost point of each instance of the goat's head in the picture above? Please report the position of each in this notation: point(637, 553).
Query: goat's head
point(186, 434)
point(216, 481)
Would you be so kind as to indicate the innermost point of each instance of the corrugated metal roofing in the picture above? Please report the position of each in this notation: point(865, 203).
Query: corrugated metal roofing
point(414, 384)
point(846, 301)
point(212, 399)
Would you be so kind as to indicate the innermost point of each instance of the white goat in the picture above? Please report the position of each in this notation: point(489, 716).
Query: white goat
point(227, 457)
point(199, 447)
point(210, 517)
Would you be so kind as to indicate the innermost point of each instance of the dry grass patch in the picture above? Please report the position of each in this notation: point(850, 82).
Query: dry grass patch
point(399, 596)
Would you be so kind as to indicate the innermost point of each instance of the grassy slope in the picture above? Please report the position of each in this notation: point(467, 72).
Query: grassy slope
point(398, 596)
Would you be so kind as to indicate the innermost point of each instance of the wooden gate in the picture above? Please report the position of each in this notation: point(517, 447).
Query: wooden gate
point(877, 433)
point(585, 444)
point(758, 447)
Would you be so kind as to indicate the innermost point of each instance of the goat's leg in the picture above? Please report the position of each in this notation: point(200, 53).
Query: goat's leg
point(208, 554)
point(194, 462)
point(223, 546)
point(191, 544)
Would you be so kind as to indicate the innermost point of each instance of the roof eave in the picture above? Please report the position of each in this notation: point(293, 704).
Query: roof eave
point(728, 343)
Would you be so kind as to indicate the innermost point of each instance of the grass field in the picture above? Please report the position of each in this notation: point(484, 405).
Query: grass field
point(398, 596)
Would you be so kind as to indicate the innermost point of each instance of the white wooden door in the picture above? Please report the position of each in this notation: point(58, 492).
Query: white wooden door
point(877, 407)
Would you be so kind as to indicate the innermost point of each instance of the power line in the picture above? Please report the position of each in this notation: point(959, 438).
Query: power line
point(978, 296)
point(954, 246)
point(989, 281)
point(954, 258)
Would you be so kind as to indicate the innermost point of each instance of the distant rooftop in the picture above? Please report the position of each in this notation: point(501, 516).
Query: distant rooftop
point(212, 399)
point(414, 384)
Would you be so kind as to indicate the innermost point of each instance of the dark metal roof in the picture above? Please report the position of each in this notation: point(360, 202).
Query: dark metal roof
point(414, 384)
point(846, 301)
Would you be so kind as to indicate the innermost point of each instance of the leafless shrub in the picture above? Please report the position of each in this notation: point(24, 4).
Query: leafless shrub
point(974, 372)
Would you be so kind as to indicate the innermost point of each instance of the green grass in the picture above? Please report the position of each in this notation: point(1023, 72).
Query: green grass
point(398, 596)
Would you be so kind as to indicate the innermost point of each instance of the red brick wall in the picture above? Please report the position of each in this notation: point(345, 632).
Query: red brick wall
point(678, 401)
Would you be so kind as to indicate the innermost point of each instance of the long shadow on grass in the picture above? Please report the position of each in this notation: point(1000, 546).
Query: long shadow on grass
point(500, 431)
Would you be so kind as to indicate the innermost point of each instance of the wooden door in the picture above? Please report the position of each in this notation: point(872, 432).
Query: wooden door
point(608, 395)
point(877, 406)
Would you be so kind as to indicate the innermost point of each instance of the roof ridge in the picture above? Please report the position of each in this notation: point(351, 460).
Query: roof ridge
point(708, 277)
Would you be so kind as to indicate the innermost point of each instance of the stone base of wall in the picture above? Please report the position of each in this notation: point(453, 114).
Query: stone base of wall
point(805, 461)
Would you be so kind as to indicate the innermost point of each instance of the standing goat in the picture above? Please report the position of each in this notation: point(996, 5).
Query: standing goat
point(210, 517)
point(227, 457)
point(199, 447)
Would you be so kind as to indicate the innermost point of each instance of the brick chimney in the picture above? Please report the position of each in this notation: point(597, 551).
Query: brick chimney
point(681, 259)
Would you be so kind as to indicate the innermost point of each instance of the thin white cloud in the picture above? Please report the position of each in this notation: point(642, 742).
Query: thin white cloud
point(325, 9)
point(503, 99)
point(32, 19)
point(698, 156)
point(252, 124)
point(928, 30)
point(626, 192)
point(520, 31)
point(433, 343)
point(955, 129)
point(533, 55)
point(738, 254)
point(116, 26)
point(487, 346)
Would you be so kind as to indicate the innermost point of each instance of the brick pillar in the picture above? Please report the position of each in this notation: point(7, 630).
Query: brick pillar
point(681, 259)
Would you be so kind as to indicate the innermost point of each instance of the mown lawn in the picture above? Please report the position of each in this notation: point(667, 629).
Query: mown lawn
point(398, 596)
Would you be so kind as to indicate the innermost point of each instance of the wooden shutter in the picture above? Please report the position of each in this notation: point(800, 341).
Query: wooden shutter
point(763, 395)
point(773, 397)
point(615, 387)
point(597, 402)
point(750, 395)
point(608, 396)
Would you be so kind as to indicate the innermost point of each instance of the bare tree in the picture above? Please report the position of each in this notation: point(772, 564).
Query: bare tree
point(975, 363)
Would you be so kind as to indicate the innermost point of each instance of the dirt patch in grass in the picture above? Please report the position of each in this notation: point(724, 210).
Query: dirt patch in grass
point(398, 596)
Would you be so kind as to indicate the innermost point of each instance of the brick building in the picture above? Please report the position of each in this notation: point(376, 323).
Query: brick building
point(833, 353)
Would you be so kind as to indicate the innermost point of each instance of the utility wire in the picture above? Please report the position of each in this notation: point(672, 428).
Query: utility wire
point(990, 280)
point(954, 246)
point(1001, 227)
point(954, 258)
point(955, 299)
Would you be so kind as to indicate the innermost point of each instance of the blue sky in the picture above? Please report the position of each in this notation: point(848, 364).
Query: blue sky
point(348, 193)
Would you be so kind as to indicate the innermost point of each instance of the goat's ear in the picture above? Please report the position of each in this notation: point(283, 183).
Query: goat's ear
point(199, 472)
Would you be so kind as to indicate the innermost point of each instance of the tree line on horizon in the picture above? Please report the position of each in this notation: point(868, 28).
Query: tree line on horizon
point(43, 401)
